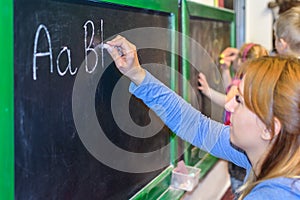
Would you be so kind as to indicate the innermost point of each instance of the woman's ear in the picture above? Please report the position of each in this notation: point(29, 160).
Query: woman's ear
point(267, 135)
point(283, 45)
point(277, 126)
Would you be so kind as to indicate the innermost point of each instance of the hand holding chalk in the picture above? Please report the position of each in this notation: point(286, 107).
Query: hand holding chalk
point(106, 46)
point(125, 57)
point(228, 56)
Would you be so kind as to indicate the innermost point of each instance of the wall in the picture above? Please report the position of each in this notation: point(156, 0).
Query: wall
point(259, 23)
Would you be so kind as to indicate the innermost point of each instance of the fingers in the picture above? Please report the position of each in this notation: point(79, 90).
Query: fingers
point(122, 45)
point(125, 57)
point(204, 87)
point(123, 52)
point(114, 53)
point(200, 88)
point(202, 78)
point(225, 63)
point(228, 52)
point(228, 56)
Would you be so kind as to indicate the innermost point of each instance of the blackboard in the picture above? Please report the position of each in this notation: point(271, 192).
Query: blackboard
point(52, 40)
point(209, 30)
point(214, 37)
point(212, 30)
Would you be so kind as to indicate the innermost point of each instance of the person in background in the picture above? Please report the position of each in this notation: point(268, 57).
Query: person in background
point(284, 5)
point(265, 120)
point(287, 32)
point(231, 57)
point(278, 7)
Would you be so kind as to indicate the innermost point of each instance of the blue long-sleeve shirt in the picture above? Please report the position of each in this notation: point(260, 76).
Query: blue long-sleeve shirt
point(211, 136)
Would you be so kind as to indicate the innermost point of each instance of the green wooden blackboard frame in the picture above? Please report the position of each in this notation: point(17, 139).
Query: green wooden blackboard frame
point(7, 81)
point(6, 101)
point(188, 10)
point(159, 186)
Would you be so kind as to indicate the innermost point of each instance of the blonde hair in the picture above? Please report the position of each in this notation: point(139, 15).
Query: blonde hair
point(272, 90)
point(251, 51)
point(287, 27)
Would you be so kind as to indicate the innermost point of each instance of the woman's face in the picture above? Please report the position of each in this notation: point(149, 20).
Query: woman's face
point(246, 128)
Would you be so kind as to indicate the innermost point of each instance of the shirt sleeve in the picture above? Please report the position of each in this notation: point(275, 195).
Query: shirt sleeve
point(187, 122)
point(276, 189)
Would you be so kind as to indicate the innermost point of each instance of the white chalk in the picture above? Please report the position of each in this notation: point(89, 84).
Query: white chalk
point(105, 46)
point(109, 48)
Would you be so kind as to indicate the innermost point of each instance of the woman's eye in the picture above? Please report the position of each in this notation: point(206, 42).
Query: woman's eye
point(238, 99)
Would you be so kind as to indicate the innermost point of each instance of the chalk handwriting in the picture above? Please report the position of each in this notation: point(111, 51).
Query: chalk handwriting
point(41, 54)
point(102, 45)
point(65, 49)
point(88, 49)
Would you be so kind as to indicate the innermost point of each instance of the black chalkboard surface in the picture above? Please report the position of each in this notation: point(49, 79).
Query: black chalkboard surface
point(52, 40)
point(214, 44)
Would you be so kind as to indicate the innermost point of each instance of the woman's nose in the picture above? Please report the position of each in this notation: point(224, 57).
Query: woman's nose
point(230, 105)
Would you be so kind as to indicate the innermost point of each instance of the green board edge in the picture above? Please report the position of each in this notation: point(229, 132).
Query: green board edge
point(6, 101)
point(168, 6)
point(185, 27)
point(174, 79)
point(160, 188)
point(220, 14)
point(158, 5)
point(209, 12)
point(6, 84)
point(156, 187)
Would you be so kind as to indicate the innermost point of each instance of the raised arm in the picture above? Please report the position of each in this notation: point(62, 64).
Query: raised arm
point(217, 97)
point(184, 120)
